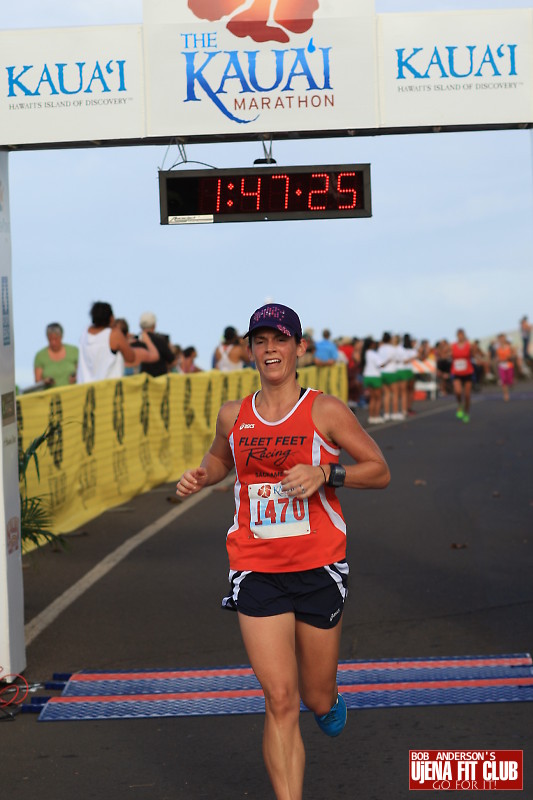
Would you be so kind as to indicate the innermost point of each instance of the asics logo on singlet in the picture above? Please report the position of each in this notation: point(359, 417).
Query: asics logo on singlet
point(247, 425)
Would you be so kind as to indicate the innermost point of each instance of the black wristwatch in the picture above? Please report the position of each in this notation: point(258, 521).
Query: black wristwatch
point(337, 475)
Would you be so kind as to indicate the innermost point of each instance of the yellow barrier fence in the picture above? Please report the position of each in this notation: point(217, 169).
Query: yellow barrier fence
point(115, 439)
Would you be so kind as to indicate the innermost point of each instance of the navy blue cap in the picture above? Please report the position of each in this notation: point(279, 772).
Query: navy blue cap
point(274, 315)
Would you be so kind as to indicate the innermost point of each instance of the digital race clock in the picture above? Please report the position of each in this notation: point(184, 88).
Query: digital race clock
point(264, 193)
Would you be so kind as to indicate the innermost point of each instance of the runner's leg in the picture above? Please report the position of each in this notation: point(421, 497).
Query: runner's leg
point(467, 388)
point(270, 644)
point(458, 392)
point(317, 650)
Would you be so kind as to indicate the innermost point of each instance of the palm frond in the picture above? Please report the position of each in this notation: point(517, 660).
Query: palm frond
point(35, 517)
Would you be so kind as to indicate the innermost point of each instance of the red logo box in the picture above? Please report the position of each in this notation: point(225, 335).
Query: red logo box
point(466, 770)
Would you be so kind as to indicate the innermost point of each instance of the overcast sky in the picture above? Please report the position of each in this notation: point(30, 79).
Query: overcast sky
point(450, 242)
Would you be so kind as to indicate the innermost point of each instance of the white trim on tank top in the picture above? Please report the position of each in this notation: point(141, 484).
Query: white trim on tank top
point(285, 418)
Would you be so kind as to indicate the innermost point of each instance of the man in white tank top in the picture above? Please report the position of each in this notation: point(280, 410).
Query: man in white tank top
point(104, 349)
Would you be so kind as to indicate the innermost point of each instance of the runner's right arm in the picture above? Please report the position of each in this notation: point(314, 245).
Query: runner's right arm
point(218, 461)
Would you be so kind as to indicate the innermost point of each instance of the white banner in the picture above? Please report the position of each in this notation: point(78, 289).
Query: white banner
point(462, 68)
point(71, 85)
point(231, 67)
point(12, 650)
point(237, 68)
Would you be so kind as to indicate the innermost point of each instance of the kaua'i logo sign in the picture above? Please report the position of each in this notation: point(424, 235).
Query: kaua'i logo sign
point(263, 20)
point(243, 83)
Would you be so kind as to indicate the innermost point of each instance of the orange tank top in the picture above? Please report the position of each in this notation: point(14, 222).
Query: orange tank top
point(272, 531)
point(504, 353)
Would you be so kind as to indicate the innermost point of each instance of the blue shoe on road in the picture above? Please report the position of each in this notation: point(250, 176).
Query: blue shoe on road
point(334, 721)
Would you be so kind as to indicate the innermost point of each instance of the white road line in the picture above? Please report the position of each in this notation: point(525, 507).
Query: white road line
point(39, 623)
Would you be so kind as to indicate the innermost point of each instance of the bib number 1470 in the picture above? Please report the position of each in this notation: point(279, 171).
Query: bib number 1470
point(274, 515)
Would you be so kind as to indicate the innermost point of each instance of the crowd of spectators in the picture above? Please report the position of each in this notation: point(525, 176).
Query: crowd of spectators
point(108, 348)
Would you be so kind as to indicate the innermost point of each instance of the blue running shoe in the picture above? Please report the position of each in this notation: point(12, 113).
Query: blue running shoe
point(334, 721)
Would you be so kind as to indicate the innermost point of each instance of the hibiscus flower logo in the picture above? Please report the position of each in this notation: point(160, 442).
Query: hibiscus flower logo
point(264, 491)
point(262, 20)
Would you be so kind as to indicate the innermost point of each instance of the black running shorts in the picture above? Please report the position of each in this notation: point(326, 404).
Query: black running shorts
point(314, 596)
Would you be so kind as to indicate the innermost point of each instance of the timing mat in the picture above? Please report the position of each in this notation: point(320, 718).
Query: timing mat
point(235, 690)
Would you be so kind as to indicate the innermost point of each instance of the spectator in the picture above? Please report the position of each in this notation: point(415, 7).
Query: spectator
point(371, 365)
point(125, 328)
point(176, 350)
point(525, 334)
point(104, 348)
point(358, 358)
point(410, 354)
point(387, 356)
point(232, 354)
point(443, 356)
point(347, 349)
point(56, 364)
point(161, 341)
point(424, 350)
point(129, 369)
point(326, 352)
point(308, 358)
point(187, 364)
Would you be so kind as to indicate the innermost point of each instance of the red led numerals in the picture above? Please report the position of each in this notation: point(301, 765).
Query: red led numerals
point(286, 195)
point(256, 193)
point(320, 204)
point(291, 192)
point(347, 190)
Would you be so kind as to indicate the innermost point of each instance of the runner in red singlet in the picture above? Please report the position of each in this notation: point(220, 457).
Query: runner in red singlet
point(462, 372)
point(287, 545)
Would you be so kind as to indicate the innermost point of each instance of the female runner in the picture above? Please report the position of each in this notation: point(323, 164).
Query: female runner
point(287, 545)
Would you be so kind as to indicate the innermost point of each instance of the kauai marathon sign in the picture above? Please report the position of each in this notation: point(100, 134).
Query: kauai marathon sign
point(202, 69)
point(236, 66)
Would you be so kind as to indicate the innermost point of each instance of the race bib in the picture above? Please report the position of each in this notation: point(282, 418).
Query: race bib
point(276, 515)
point(460, 365)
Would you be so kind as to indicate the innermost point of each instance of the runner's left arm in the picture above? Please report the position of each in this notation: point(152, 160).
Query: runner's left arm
point(335, 421)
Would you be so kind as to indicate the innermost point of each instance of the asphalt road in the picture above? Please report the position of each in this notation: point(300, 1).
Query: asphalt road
point(441, 565)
